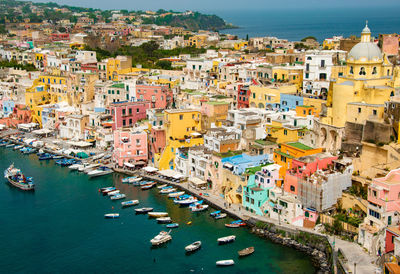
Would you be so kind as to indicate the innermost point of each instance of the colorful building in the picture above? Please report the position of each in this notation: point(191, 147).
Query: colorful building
point(130, 147)
point(126, 114)
point(159, 96)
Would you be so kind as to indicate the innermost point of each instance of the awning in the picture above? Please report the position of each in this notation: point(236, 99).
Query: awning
point(171, 174)
point(129, 164)
point(228, 165)
point(150, 169)
point(197, 182)
point(195, 134)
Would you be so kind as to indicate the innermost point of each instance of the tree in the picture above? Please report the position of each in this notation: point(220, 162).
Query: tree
point(308, 37)
point(164, 64)
point(26, 9)
point(247, 37)
point(62, 29)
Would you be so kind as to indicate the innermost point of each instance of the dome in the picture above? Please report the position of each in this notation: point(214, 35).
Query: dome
point(367, 50)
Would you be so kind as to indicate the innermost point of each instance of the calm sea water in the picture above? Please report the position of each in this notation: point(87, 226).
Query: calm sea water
point(321, 23)
point(60, 228)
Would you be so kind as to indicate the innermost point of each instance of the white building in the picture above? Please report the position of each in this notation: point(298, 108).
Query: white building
point(73, 127)
point(317, 73)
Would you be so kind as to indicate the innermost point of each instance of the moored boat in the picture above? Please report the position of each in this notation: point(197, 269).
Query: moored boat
point(147, 186)
point(17, 147)
point(176, 194)
point(130, 180)
point(118, 196)
point(245, 252)
point(220, 216)
point(187, 201)
point(215, 213)
point(114, 192)
point(168, 190)
point(45, 156)
point(174, 225)
point(75, 166)
point(157, 214)
point(199, 208)
point(105, 190)
point(9, 145)
point(87, 167)
point(111, 215)
point(164, 220)
point(162, 186)
point(130, 203)
point(100, 171)
point(225, 262)
point(193, 246)
point(161, 238)
point(227, 239)
point(143, 210)
point(15, 177)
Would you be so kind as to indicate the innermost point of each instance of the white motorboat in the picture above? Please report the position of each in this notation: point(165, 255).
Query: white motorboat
point(130, 203)
point(75, 166)
point(193, 247)
point(157, 214)
point(164, 220)
point(103, 170)
point(225, 262)
point(114, 192)
point(167, 190)
point(227, 239)
point(117, 196)
point(131, 180)
point(88, 167)
point(200, 207)
point(188, 201)
point(176, 194)
point(220, 216)
point(111, 215)
point(162, 186)
point(161, 238)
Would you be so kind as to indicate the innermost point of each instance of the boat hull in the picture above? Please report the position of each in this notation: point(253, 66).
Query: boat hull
point(21, 186)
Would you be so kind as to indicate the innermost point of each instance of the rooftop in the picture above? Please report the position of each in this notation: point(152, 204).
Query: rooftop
point(299, 146)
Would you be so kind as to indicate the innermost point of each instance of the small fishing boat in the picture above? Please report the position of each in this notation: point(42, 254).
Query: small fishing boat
point(199, 208)
point(118, 196)
point(143, 210)
point(29, 150)
point(147, 186)
point(161, 238)
point(181, 198)
point(130, 180)
point(225, 262)
point(100, 171)
point(246, 251)
point(187, 201)
point(215, 213)
point(162, 186)
point(10, 145)
point(193, 247)
point(220, 216)
point(75, 166)
point(130, 203)
point(168, 190)
point(114, 192)
point(3, 143)
point(17, 147)
point(15, 177)
point(57, 156)
point(189, 223)
point(23, 149)
point(174, 225)
point(65, 162)
point(111, 215)
point(45, 156)
point(164, 220)
point(105, 190)
point(232, 225)
point(88, 167)
point(227, 239)
point(157, 214)
point(176, 194)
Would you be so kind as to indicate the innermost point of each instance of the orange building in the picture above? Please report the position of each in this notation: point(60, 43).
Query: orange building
point(303, 111)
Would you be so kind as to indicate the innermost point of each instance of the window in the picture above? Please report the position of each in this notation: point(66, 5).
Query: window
point(362, 71)
point(374, 193)
point(359, 110)
point(375, 214)
point(130, 122)
point(254, 95)
point(374, 71)
point(390, 221)
point(292, 188)
point(351, 70)
point(181, 117)
point(123, 112)
point(123, 123)
point(374, 112)
point(307, 75)
point(309, 58)
point(192, 116)
point(130, 111)
point(285, 132)
point(322, 63)
point(307, 214)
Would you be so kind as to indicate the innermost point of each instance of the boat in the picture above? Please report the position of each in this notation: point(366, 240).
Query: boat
point(157, 214)
point(164, 220)
point(199, 208)
point(236, 224)
point(114, 192)
point(88, 167)
point(196, 203)
point(220, 216)
point(105, 190)
point(245, 252)
point(3, 143)
point(17, 147)
point(161, 238)
point(111, 215)
point(130, 180)
point(215, 213)
point(193, 246)
point(65, 162)
point(162, 186)
point(29, 150)
point(187, 201)
point(100, 171)
point(147, 186)
point(232, 225)
point(168, 190)
point(174, 225)
point(15, 177)
point(57, 156)
point(225, 262)
point(23, 149)
point(175, 194)
point(75, 166)
point(130, 203)
point(189, 223)
point(227, 239)
point(143, 210)
point(118, 196)
point(166, 187)
point(10, 145)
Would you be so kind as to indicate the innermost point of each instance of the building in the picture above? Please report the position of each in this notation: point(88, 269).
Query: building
point(130, 147)
point(222, 139)
point(159, 96)
point(127, 114)
point(73, 127)
point(317, 73)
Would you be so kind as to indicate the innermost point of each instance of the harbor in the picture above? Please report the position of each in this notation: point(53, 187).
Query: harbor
point(73, 228)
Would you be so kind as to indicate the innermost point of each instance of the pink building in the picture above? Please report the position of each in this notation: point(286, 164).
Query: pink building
point(130, 148)
point(159, 96)
point(157, 141)
point(126, 114)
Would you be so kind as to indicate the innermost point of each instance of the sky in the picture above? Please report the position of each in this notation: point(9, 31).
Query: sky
point(211, 6)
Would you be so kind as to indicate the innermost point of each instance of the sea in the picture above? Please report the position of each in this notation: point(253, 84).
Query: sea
point(321, 23)
point(60, 228)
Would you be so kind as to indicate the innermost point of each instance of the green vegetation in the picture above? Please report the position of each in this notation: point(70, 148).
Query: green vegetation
point(229, 154)
point(300, 146)
point(358, 192)
point(253, 170)
point(352, 220)
point(14, 64)
point(308, 37)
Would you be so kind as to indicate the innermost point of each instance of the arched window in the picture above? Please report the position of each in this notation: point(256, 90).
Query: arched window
point(374, 71)
point(351, 70)
point(362, 71)
point(388, 72)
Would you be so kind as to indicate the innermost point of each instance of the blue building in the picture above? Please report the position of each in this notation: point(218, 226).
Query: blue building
point(254, 196)
point(238, 164)
point(289, 102)
point(8, 107)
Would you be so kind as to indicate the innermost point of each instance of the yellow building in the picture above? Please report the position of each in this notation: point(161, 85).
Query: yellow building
point(240, 45)
point(283, 133)
point(36, 96)
point(289, 74)
point(117, 65)
point(181, 130)
point(197, 41)
point(267, 96)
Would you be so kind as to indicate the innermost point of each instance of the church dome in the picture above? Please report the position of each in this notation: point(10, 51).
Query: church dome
point(365, 50)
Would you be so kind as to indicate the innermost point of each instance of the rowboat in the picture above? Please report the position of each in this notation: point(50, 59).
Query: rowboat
point(114, 192)
point(246, 251)
point(232, 225)
point(118, 196)
point(105, 190)
point(130, 180)
point(162, 186)
point(157, 214)
point(220, 216)
point(199, 208)
point(164, 220)
point(168, 190)
point(225, 262)
point(174, 225)
point(193, 247)
point(161, 238)
point(75, 166)
point(148, 186)
point(100, 171)
point(227, 239)
point(176, 194)
point(143, 210)
point(111, 215)
point(17, 147)
point(130, 203)
point(215, 213)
